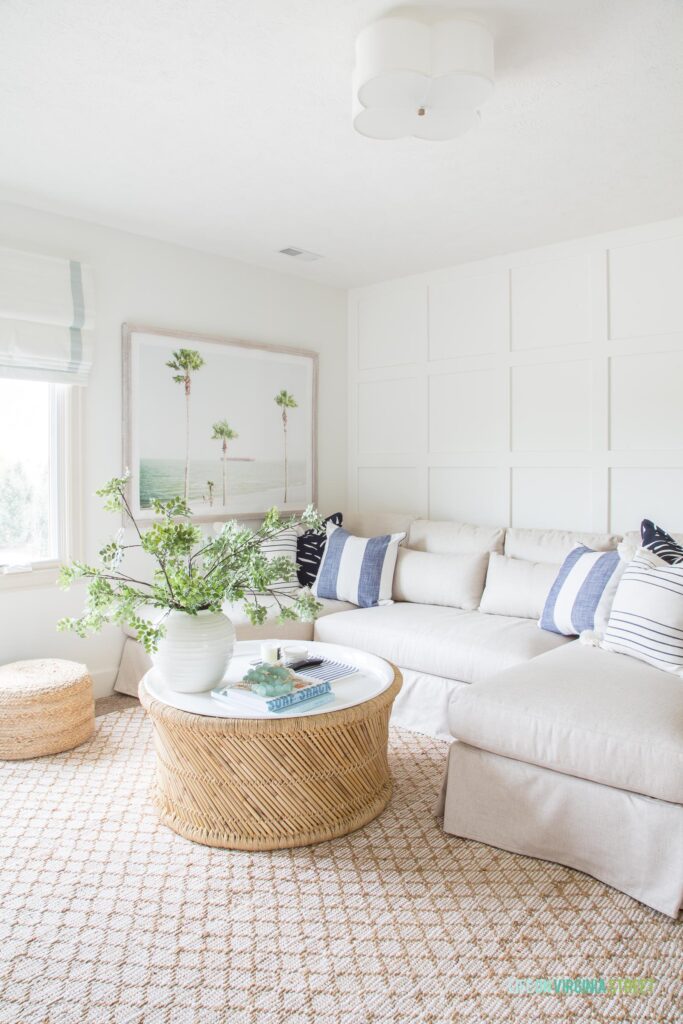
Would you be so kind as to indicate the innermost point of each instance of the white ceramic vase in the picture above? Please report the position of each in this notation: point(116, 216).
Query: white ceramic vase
point(194, 654)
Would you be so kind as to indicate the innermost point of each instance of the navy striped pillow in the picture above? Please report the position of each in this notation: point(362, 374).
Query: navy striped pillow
point(658, 541)
point(310, 549)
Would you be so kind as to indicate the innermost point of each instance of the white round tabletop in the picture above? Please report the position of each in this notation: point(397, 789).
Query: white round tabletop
point(374, 675)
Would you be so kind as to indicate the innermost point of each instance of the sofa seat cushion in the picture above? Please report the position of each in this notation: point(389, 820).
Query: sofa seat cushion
point(584, 712)
point(440, 641)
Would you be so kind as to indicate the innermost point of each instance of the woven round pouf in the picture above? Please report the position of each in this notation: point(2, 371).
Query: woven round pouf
point(46, 706)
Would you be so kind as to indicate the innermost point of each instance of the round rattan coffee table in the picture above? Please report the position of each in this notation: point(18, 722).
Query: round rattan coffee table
point(269, 783)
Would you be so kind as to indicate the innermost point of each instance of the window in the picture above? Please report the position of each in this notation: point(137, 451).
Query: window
point(37, 527)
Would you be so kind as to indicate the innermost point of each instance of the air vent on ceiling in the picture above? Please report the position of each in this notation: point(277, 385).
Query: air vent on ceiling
point(300, 254)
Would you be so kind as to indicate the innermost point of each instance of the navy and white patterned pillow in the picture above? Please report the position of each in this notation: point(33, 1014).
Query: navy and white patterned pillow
point(310, 549)
point(658, 541)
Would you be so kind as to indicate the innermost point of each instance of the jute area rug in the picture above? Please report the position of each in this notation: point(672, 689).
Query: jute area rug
point(108, 917)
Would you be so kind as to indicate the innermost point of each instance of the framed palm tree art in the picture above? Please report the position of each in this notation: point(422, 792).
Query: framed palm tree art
point(229, 425)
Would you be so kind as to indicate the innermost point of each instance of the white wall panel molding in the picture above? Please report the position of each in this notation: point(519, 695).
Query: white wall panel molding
point(551, 303)
point(645, 288)
point(553, 496)
point(391, 416)
point(468, 411)
point(479, 494)
point(390, 489)
point(469, 315)
point(392, 326)
point(535, 389)
point(552, 406)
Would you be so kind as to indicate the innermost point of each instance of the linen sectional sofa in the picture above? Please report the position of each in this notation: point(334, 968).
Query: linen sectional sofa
point(455, 620)
point(561, 751)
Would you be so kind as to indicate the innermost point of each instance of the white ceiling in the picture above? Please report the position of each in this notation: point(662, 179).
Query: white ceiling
point(225, 125)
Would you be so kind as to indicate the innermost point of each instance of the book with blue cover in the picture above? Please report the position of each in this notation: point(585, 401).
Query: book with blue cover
point(303, 694)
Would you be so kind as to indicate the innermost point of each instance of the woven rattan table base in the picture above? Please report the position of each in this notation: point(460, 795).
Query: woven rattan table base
point(269, 784)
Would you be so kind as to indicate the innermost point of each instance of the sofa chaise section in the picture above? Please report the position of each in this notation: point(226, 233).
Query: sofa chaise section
point(576, 757)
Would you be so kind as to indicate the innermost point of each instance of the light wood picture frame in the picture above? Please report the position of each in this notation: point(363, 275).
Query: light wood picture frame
point(235, 424)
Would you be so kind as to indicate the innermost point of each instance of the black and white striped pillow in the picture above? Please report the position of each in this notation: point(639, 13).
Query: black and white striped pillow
point(284, 545)
point(657, 540)
point(646, 620)
point(310, 549)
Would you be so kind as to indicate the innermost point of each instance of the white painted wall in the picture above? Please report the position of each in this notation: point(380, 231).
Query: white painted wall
point(539, 389)
point(144, 281)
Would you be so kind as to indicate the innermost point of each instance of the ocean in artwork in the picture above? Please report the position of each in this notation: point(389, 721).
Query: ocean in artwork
point(260, 482)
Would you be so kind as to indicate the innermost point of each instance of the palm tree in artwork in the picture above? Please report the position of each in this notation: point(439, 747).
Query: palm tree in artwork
point(285, 401)
point(222, 431)
point(186, 361)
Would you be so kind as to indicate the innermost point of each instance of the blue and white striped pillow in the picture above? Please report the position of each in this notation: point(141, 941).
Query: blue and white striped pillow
point(581, 597)
point(359, 570)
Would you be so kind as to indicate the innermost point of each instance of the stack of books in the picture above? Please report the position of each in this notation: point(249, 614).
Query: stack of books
point(312, 688)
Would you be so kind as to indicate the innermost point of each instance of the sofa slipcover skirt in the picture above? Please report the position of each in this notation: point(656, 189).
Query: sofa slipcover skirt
point(630, 841)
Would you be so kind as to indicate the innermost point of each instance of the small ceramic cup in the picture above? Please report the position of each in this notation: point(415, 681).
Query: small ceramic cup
point(295, 652)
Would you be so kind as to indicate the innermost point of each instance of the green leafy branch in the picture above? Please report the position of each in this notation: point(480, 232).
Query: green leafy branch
point(189, 575)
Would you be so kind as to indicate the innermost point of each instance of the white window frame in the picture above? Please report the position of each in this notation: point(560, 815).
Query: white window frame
point(65, 493)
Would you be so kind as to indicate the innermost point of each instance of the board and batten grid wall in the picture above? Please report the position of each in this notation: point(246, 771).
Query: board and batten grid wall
point(539, 389)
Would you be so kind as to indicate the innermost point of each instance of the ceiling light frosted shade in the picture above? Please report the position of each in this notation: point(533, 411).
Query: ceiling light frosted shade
point(393, 58)
point(462, 68)
point(421, 80)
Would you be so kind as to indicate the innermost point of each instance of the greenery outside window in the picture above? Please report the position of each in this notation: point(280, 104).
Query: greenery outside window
point(39, 486)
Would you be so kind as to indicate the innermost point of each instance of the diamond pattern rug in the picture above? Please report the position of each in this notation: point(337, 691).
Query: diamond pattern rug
point(106, 917)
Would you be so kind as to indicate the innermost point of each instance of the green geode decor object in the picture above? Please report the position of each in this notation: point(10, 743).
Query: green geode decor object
point(269, 680)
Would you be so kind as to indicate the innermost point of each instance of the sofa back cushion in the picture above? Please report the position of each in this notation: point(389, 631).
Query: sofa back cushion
point(515, 586)
point(444, 538)
point(554, 545)
point(372, 524)
point(456, 581)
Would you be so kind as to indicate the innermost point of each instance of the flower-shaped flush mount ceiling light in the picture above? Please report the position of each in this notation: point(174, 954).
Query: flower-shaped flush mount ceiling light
point(419, 79)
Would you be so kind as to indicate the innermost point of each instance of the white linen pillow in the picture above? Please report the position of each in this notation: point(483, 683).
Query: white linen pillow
point(456, 581)
point(517, 587)
point(646, 620)
point(359, 570)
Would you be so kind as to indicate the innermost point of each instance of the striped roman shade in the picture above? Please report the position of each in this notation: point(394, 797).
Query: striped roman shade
point(46, 318)
point(359, 570)
point(583, 592)
point(646, 620)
